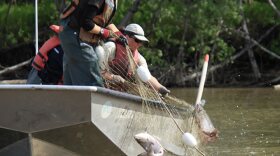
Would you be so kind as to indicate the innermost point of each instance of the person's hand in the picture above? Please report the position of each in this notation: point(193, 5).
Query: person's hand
point(106, 33)
point(118, 79)
point(163, 91)
point(123, 40)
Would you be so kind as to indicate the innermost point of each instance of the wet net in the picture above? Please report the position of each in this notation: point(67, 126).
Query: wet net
point(179, 112)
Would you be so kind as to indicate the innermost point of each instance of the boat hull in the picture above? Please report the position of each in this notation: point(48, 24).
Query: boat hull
point(69, 120)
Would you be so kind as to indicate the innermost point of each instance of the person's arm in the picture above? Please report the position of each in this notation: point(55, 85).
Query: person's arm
point(86, 19)
point(142, 61)
point(119, 36)
point(113, 28)
point(153, 81)
point(106, 54)
point(91, 10)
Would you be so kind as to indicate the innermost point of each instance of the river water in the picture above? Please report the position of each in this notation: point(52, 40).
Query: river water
point(248, 120)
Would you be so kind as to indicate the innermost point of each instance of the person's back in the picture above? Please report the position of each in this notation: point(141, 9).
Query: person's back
point(53, 71)
point(47, 65)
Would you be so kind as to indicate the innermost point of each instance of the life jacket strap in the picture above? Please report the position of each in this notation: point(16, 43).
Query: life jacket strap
point(69, 9)
point(73, 4)
point(42, 56)
point(36, 66)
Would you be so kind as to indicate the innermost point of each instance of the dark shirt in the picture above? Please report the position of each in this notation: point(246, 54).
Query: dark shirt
point(86, 10)
point(86, 19)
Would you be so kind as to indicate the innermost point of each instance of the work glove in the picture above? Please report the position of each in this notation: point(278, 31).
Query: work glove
point(106, 33)
point(123, 40)
point(163, 91)
point(118, 79)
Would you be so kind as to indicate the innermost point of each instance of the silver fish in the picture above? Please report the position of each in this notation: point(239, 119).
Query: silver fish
point(150, 144)
point(206, 125)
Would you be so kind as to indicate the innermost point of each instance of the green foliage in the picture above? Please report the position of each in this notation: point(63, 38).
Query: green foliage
point(208, 25)
point(261, 13)
point(274, 45)
point(47, 14)
point(153, 56)
point(205, 21)
point(208, 20)
point(207, 30)
point(17, 24)
point(123, 7)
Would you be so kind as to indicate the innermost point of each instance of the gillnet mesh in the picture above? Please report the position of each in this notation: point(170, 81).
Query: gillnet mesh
point(153, 103)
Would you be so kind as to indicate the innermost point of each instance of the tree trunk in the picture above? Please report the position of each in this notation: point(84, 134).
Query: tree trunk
point(7, 16)
point(213, 53)
point(180, 58)
point(130, 13)
point(240, 53)
point(250, 51)
point(259, 45)
point(270, 82)
point(274, 7)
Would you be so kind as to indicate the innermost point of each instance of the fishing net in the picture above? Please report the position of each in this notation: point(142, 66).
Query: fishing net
point(179, 110)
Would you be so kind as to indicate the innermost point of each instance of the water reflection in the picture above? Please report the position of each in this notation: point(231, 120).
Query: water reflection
point(247, 119)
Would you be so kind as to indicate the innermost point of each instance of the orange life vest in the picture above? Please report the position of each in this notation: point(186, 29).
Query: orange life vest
point(56, 28)
point(120, 64)
point(42, 57)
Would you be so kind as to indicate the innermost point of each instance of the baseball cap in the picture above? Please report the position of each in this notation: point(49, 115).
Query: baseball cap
point(137, 31)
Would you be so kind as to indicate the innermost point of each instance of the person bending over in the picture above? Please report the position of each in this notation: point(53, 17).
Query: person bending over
point(113, 55)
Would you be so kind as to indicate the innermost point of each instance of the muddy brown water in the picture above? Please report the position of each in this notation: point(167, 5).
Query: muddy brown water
point(248, 120)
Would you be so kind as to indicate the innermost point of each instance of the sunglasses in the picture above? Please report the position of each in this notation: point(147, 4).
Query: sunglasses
point(131, 34)
point(137, 41)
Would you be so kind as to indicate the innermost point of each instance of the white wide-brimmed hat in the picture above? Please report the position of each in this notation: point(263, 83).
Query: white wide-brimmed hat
point(137, 31)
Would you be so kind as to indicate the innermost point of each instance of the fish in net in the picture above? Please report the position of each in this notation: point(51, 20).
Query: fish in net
point(180, 112)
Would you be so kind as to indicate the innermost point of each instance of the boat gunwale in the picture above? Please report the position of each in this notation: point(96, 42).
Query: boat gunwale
point(96, 89)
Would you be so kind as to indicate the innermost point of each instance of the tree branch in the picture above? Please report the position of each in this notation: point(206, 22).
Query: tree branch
point(250, 51)
point(15, 67)
point(130, 13)
point(4, 29)
point(232, 58)
point(242, 34)
point(155, 18)
point(274, 7)
point(20, 81)
point(275, 80)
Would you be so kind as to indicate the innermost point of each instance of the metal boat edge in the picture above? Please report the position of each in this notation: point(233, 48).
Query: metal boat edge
point(39, 110)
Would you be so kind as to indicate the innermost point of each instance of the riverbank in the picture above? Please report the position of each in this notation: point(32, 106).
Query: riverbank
point(19, 77)
point(235, 74)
